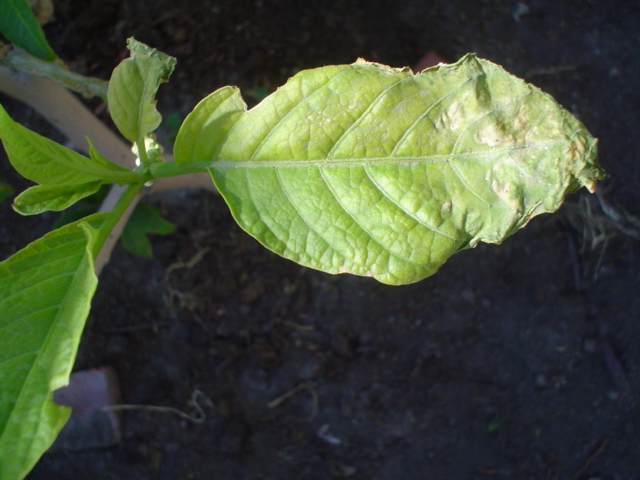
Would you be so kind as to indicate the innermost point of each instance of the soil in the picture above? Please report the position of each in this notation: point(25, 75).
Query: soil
point(517, 361)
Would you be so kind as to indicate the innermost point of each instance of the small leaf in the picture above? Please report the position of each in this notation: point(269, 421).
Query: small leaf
point(45, 295)
point(46, 162)
point(143, 221)
point(379, 172)
point(103, 161)
point(132, 90)
point(20, 26)
point(5, 190)
point(44, 198)
point(207, 125)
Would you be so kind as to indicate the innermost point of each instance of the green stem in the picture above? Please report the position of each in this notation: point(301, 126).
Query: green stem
point(142, 152)
point(173, 169)
point(56, 71)
point(115, 215)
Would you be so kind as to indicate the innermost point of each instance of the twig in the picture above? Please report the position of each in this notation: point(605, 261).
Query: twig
point(198, 418)
point(314, 394)
point(57, 71)
point(591, 458)
point(615, 369)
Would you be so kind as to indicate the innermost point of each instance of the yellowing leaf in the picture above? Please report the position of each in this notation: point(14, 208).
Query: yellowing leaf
point(379, 172)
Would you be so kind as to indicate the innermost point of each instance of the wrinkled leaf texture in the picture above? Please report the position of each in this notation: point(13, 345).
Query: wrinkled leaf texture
point(132, 90)
point(379, 172)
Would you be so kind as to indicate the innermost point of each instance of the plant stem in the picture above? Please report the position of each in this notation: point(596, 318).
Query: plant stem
point(142, 152)
point(171, 169)
point(56, 71)
point(116, 214)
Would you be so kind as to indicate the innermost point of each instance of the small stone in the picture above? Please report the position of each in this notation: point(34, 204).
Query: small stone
point(90, 425)
point(468, 295)
point(589, 345)
point(541, 380)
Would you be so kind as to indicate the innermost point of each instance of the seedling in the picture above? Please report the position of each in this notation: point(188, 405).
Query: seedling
point(360, 168)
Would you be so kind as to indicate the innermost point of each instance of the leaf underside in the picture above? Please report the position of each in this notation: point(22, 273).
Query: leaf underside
point(46, 291)
point(379, 172)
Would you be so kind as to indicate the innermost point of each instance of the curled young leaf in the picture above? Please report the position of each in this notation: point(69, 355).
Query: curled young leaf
point(133, 87)
point(379, 172)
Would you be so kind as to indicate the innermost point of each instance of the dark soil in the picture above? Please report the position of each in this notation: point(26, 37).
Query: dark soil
point(518, 361)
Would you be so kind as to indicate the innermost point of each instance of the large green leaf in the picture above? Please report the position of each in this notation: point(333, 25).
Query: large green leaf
point(45, 295)
point(132, 90)
point(46, 162)
point(18, 24)
point(379, 172)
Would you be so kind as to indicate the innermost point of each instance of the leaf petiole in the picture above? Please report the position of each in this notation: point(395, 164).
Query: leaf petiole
point(173, 169)
point(114, 216)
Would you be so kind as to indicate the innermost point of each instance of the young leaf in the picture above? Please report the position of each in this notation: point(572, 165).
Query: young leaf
point(44, 198)
point(207, 125)
point(132, 90)
point(46, 162)
point(45, 295)
point(103, 161)
point(379, 172)
point(18, 24)
point(143, 221)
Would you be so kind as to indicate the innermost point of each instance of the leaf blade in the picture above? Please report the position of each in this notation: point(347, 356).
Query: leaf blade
point(45, 198)
point(132, 90)
point(46, 291)
point(207, 125)
point(46, 162)
point(376, 171)
point(143, 221)
point(18, 24)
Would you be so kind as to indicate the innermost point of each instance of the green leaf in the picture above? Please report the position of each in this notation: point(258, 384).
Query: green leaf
point(104, 162)
point(379, 172)
point(143, 221)
point(132, 90)
point(5, 190)
point(45, 295)
point(207, 125)
point(44, 198)
point(19, 25)
point(46, 162)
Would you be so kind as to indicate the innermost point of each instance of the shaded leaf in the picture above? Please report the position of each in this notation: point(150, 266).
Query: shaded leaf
point(5, 190)
point(379, 172)
point(144, 220)
point(45, 295)
point(132, 90)
point(44, 198)
point(21, 28)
